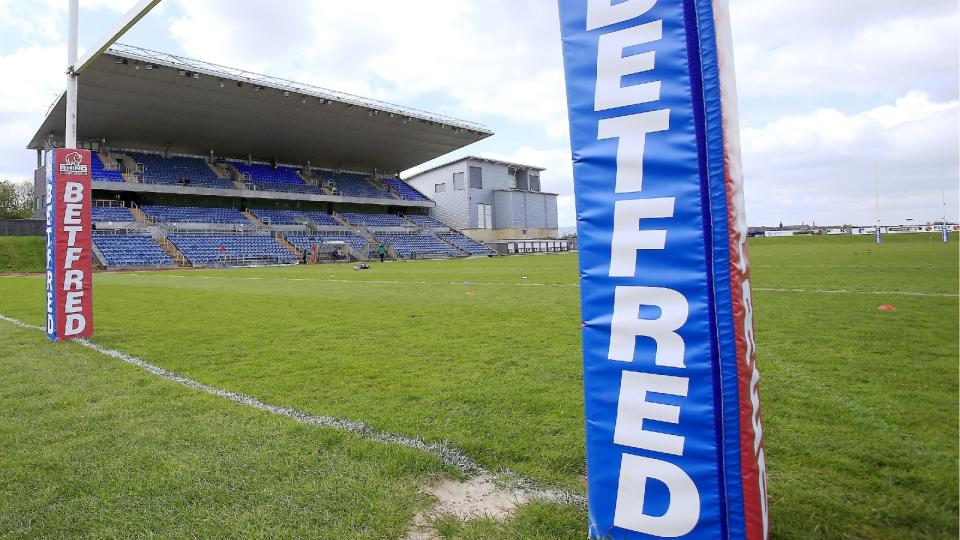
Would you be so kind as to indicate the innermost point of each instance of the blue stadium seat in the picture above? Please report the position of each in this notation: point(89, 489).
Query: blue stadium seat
point(111, 213)
point(293, 217)
point(421, 244)
point(373, 221)
point(306, 242)
point(193, 214)
point(181, 171)
point(405, 190)
point(427, 222)
point(205, 248)
point(98, 173)
point(121, 250)
point(266, 178)
point(353, 185)
point(467, 244)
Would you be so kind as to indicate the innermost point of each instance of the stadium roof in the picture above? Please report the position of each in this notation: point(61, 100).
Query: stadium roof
point(138, 98)
point(508, 164)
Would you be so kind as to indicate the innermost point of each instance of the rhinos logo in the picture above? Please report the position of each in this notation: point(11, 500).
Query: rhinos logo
point(73, 164)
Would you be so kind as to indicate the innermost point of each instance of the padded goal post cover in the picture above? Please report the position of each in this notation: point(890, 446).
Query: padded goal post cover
point(673, 424)
point(69, 249)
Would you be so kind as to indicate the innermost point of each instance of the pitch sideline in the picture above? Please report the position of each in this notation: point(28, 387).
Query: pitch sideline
point(447, 454)
point(509, 284)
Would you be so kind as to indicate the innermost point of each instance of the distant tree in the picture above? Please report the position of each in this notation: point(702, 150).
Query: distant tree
point(16, 199)
point(781, 226)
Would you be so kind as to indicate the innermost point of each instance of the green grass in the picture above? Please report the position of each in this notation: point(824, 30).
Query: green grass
point(22, 254)
point(96, 448)
point(860, 406)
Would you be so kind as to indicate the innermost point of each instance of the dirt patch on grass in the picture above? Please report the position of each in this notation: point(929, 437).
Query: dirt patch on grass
point(480, 496)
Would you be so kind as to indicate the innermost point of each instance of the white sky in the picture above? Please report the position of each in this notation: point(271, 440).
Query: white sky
point(830, 91)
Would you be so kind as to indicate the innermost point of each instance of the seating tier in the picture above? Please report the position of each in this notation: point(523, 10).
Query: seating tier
point(427, 222)
point(206, 248)
point(374, 220)
point(180, 171)
point(467, 244)
point(111, 213)
point(421, 244)
point(99, 173)
point(194, 214)
point(405, 190)
point(120, 250)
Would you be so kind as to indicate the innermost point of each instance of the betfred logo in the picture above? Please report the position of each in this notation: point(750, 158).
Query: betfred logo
point(73, 164)
point(69, 246)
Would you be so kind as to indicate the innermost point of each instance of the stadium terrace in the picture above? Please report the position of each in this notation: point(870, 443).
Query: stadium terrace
point(196, 164)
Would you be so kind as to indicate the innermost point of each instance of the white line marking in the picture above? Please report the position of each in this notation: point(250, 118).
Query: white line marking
point(846, 291)
point(442, 450)
point(361, 281)
point(401, 282)
point(881, 267)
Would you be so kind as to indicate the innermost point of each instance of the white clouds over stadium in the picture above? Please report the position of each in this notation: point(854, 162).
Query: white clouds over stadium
point(827, 88)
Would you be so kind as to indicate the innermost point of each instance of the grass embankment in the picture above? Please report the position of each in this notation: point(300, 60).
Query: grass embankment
point(860, 406)
point(22, 254)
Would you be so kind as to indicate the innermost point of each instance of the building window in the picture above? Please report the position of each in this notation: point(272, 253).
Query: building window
point(534, 182)
point(476, 178)
point(484, 216)
point(440, 188)
point(458, 181)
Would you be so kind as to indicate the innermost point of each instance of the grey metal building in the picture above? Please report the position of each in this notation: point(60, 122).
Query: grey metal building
point(490, 200)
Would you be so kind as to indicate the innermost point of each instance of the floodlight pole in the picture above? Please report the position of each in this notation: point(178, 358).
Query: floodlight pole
point(70, 133)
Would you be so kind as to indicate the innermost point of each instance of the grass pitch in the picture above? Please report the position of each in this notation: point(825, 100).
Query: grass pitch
point(860, 406)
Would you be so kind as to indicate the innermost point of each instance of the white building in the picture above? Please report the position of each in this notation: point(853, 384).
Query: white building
point(490, 200)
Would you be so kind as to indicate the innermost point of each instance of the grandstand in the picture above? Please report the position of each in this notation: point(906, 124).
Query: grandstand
point(467, 244)
point(192, 214)
point(203, 249)
point(127, 250)
point(111, 213)
point(179, 170)
point(427, 222)
point(328, 240)
point(374, 221)
point(99, 173)
point(198, 164)
point(420, 244)
point(404, 190)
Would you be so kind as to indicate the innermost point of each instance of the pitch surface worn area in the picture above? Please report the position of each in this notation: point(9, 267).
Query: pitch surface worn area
point(859, 405)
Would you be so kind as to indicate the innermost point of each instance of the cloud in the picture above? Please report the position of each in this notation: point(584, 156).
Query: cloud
point(32, 87)
point(489, 57)
point(822, 166)
point(821, 48)
point(24, 105)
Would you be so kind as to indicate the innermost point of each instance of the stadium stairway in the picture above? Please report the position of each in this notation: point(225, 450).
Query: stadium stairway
point(129, 168)
point(343, 221)
point(461, 251)
point(253, 219)
point(382, 186)
point(172, 251)
point(308, 180)
point(288, 246)
point(108, 163)
point(98, 259)
point(219, 172)
point(139, 215)
point(234, 174)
